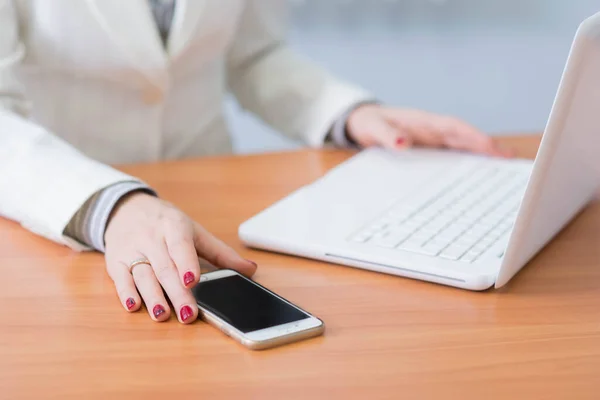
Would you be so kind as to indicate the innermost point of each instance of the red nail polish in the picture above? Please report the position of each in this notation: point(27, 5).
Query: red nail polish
point(186, 313)
point(188, 278)
point(253, 263)
point(158, 310)
point(130, 303)
point(400, 141)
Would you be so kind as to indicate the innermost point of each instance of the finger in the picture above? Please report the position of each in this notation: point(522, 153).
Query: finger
point(219, 254)
point(168, 276)
point(181, 249)
point(462, 136)
point(435, 130)
point(505, 152)
point(388, 135)
point(124, 284)
point(151, 292)
point(418, 125)
point(501, 151)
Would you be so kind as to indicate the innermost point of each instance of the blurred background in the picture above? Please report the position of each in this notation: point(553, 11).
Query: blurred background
point(495, 63)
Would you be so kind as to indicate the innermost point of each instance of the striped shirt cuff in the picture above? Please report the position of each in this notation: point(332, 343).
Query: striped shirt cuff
point(89, 223)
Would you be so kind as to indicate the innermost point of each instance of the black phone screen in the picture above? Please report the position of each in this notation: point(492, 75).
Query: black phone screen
point(245, 305)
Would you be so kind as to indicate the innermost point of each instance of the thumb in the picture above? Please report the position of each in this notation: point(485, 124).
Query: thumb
point(219, 254)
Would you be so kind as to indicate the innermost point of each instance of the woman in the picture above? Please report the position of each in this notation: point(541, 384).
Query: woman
point(87, 83)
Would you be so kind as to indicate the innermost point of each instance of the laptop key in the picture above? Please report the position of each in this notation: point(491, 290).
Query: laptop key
point(453, 252)
point(391, 240)
point(469, 257)
point(411, 245)
point(431, 249)
point(361, 238)
point(422, 236)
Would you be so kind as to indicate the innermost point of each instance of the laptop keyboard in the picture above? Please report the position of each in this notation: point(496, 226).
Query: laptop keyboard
point(460, 222)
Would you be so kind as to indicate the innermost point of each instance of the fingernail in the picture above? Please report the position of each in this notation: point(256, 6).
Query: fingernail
point(253, 263)
point(400, 141)
point(186, 313)
point(158, 310)
point(188, 278)
point(130, 303)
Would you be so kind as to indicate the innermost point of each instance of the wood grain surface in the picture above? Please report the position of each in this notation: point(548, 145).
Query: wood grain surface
point(64, 335)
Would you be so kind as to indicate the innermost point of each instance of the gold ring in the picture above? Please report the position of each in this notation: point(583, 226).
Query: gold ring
point(139, 261)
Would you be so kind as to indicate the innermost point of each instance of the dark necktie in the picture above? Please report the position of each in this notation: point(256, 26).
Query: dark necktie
point(163, 11)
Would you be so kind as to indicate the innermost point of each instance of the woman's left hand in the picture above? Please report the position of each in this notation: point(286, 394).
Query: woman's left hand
point(399, 128)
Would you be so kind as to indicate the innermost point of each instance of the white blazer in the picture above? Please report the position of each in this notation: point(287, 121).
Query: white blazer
point(93, 75)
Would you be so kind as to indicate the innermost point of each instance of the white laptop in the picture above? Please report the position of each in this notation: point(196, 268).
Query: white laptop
point(446, 217)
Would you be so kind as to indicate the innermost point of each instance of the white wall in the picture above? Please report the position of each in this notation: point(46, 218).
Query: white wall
point(496, 63)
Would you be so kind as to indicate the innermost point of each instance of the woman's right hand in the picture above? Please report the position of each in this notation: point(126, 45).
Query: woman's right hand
point(145, 227)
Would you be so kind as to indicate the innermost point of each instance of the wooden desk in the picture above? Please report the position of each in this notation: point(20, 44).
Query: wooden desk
point(64, 335)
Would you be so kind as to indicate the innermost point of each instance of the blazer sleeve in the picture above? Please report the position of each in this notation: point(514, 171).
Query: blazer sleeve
point(43, 180)
point(286, 90)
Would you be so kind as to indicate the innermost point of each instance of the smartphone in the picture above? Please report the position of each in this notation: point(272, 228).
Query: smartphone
point(251, 314)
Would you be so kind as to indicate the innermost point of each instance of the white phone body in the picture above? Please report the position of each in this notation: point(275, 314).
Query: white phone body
point(272, 336)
